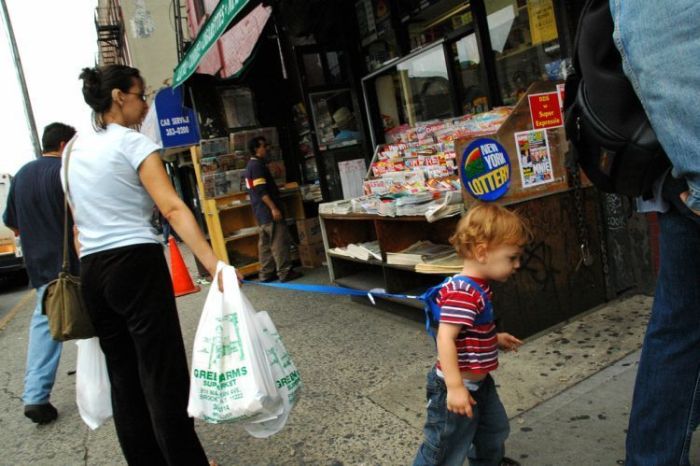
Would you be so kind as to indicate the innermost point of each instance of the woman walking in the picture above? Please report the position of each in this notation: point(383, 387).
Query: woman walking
point(114, 177)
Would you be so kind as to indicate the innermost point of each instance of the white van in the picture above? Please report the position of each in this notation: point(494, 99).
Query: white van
point(11, 261)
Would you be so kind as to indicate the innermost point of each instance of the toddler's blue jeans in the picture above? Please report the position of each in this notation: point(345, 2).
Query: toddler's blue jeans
point(451, 438)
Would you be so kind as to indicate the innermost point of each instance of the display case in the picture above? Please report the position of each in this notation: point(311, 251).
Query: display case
point(335, 119)
point(412, 184)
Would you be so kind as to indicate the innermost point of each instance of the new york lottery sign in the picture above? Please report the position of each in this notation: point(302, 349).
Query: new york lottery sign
point(486, 169)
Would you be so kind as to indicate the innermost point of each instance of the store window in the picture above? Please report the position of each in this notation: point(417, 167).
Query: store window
point(335, 119)
point(426, 87)
point(433, 20)
point(469, 70)
point(525, 41)
point(417, 89)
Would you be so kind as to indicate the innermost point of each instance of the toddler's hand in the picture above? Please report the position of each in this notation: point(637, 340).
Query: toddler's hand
point(460, 401)
point(507, 342)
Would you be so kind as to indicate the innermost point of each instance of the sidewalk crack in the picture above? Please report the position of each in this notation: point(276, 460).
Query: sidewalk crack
point(7, 391)
point(86, 449)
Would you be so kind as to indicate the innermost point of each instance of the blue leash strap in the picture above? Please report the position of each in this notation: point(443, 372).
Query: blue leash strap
point(336, 290)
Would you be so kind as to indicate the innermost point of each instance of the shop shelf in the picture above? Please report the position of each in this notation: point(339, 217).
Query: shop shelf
point(353, 259)
point(243, 234)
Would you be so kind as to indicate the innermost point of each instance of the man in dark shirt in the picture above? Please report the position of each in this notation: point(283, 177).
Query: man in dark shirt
point(274, 239)
point(35, 210)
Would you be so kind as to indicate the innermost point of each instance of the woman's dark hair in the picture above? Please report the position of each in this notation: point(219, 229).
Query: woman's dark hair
point(98, 83)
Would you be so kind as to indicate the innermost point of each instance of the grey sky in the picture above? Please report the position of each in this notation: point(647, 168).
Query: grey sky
point(56, 40)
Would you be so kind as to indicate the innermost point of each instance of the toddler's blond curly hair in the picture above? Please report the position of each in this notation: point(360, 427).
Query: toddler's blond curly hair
point(489, 224)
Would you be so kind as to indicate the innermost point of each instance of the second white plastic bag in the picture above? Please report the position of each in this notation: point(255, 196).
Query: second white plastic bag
point(92, 388)
point(230, 377)
point(285, 373)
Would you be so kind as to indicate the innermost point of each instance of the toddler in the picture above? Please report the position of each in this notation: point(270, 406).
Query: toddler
point(466, 418)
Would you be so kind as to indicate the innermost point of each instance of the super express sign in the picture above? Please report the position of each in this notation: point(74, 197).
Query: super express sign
point(485, 169)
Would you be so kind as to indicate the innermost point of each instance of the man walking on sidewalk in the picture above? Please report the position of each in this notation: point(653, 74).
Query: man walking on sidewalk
point(660, 45)
point(274, 241)
point(35, 209)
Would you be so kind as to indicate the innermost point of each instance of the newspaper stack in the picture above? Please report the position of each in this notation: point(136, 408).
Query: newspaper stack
point(422, 251)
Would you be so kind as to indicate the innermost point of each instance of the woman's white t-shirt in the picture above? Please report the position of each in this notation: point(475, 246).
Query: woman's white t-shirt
point(111, 208)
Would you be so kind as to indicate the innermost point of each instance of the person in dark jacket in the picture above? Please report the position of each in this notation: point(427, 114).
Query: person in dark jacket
point(35, 209)
point(274, 240)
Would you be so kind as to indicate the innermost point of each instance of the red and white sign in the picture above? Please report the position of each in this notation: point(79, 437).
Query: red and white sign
point(545, 110)
point(560, 91)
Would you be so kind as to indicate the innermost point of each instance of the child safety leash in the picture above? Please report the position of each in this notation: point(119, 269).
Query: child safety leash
point(337, 290)
point(427, 297)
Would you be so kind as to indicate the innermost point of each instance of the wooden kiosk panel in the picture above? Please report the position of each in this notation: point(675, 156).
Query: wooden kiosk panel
point(551, 285)
point(519, 121)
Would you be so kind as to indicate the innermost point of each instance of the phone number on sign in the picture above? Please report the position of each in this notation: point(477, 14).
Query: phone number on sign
point(176, 131)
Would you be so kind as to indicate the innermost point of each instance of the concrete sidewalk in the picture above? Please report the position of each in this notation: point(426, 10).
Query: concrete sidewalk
point(363, 399)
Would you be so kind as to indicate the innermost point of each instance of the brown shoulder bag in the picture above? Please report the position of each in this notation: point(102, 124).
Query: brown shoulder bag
point(63, 302)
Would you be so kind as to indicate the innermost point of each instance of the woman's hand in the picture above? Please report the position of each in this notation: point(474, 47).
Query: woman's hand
point(220, 280)
point(460, 401)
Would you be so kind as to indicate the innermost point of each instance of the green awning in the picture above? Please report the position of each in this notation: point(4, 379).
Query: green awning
point(216, 24)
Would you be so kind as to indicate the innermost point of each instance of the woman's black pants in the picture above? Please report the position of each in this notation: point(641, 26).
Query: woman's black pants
point(129, 295)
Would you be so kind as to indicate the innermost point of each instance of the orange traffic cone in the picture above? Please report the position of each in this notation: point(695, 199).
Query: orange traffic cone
point(182, 282)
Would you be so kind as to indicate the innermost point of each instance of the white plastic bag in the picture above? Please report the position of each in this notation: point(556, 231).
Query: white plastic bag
point(285, 373)
point(230, 378)
point(92, 387)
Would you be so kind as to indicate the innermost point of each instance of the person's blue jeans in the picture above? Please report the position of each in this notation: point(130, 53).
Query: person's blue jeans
point(666, 403)
point(451, 438)
point(43, 355)
point(660, 45)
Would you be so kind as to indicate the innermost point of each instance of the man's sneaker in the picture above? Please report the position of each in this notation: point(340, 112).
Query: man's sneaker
point(41, 414)
point(292, 275)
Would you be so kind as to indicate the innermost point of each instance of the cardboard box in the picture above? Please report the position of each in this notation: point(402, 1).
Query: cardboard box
point(312, 255)
point(309, 231)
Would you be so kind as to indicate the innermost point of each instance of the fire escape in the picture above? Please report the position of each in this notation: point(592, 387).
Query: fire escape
point(111, 41)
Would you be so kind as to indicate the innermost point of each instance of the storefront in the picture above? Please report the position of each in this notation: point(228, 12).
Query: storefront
point(371, 105)
point(451, 89)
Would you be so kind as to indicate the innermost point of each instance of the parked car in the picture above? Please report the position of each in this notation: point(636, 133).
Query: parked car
point(11, 259)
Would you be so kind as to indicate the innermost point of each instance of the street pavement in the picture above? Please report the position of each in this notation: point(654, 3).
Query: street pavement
point(567, 390)
point(11, 295)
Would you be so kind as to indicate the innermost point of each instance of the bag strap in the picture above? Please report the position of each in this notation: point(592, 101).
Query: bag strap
point(68, 150)
point(488, 307)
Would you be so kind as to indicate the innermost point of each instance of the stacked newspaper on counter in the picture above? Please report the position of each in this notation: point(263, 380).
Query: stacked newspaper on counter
point(432, 205)
point(446, 265)
point(422, 251)
point(335, 207)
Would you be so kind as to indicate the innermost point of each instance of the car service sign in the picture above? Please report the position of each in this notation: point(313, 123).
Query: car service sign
point(485, 169)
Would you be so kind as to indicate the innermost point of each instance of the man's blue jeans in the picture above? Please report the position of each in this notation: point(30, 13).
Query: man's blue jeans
point(43, 355)
point(451, 438)
point(660, 45)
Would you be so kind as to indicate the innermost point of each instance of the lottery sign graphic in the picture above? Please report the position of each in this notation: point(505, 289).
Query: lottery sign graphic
point(486, 169)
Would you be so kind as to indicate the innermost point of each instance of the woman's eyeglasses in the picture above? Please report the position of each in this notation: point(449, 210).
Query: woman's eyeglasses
point(141, 95)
